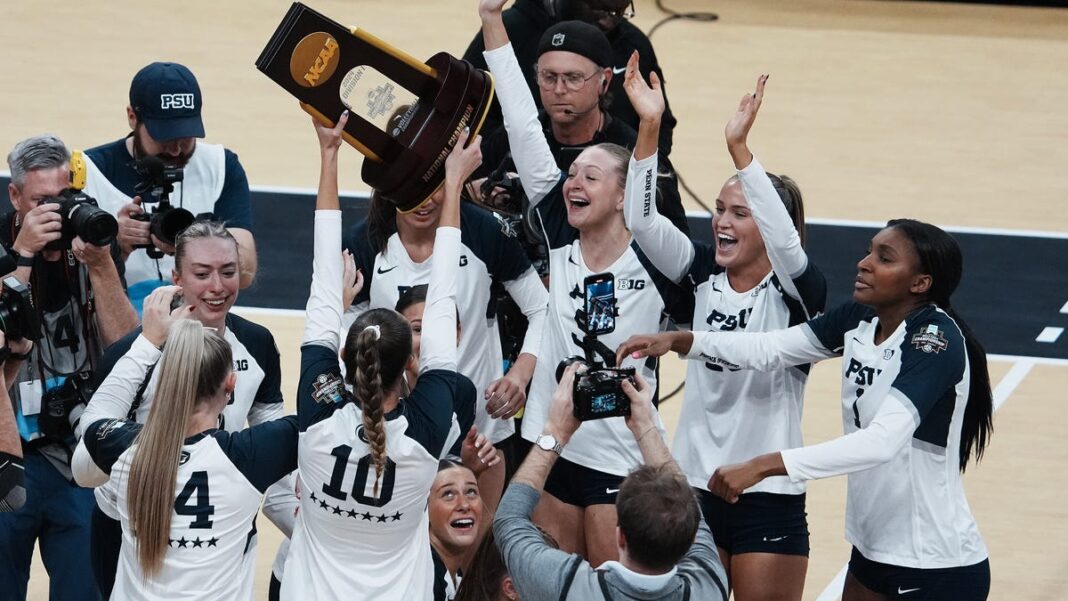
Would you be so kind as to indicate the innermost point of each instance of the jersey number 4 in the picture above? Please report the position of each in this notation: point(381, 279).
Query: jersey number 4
point(201, 508)
point(359, 487)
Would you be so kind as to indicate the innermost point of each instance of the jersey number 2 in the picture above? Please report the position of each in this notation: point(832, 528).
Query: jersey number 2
point(363, 470)
point(202, 508)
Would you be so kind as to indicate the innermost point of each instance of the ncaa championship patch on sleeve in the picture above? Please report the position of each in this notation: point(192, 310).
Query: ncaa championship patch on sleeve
point(328, 388)
point(930, 340)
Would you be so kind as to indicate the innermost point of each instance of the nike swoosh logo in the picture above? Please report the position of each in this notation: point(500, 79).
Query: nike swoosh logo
point(611, 491)
point(380, 270)
point(906, 591)
point(618, 70)
point(775, 540)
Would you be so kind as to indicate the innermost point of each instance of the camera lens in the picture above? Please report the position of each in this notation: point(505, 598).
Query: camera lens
point(9, 317)
point(168, 225)
point(93, 224)
point(563, 365)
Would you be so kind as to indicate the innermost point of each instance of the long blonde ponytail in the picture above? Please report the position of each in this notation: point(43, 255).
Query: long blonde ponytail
point(195, 362)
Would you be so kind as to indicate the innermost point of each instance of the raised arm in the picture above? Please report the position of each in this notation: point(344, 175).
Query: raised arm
point(115, 316)
point(438, 347)
point(115, 395)
point(534, 160)
point(669, 249)
point(323, 313)
point(781, 239)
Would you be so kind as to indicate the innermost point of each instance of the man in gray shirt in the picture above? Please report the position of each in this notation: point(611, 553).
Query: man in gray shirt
point(666, 551)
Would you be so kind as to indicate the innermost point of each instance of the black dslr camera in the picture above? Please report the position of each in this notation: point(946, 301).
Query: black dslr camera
point(60, 402)
point(83, 218)
point(502, 192)
point(598, 393)
point(18, 318)
point(166, 222)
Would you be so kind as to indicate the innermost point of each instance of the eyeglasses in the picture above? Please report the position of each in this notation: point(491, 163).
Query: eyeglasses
point(624, 13)
point(573, 81)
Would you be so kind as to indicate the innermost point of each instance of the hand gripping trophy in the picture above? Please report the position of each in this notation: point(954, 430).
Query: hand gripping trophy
point(405, 115)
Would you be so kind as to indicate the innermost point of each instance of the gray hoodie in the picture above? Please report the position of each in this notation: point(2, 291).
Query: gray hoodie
point(542, 573)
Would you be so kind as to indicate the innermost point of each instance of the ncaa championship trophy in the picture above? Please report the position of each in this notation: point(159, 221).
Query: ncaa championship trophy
point(404, 115)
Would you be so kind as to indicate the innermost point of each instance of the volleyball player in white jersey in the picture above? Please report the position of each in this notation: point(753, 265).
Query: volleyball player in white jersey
point(186, 493)
point(207, 275)
point(756, 277)
point(916, 403)
point(586, 235)
point(393, 250)
point(367, 459)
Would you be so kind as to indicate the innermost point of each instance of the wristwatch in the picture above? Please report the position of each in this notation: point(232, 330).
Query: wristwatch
point(548, 442)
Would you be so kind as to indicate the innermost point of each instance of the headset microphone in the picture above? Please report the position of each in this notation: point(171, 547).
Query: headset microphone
point(579, 113)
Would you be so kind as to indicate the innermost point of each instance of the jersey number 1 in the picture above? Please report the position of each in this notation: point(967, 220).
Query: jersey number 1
point(363, 470)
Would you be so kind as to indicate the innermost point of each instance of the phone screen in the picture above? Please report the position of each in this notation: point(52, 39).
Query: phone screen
point(600, 304)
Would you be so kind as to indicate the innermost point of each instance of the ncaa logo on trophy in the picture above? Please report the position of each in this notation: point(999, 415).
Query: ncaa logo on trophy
point(404, 115)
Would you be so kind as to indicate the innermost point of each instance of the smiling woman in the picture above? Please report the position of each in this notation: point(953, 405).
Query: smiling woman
point(757, 278)
point(587, 236)
point(206, 270)
point(206, 267)
point(455, 509)
point(916, 407)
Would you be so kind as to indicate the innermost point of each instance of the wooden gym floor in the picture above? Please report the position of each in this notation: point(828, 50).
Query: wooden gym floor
point(950, 113)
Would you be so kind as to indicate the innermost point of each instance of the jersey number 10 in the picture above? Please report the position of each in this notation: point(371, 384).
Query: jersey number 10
point(363, 470)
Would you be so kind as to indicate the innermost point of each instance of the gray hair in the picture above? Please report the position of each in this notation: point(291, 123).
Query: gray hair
point(39, 152)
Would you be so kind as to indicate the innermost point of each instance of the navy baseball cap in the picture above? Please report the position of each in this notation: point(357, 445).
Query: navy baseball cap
point(166, 98)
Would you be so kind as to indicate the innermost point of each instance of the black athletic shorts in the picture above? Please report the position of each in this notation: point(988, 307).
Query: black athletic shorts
point(759, 522)
point(966, 583)
point(577, 485)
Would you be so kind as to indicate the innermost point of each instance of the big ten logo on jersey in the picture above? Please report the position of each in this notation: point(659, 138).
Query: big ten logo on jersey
point(861, 376)
point(240, 364)
point(176, 101)
point(463, 260)
point(727, 323)
point(624, 284)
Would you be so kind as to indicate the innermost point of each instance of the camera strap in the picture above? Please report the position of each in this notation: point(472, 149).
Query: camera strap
point(139, 396)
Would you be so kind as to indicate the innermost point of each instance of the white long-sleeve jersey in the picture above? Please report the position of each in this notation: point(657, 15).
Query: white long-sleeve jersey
point(488, 256)
point(903, 404)
point(348, 542)
point(729, 416)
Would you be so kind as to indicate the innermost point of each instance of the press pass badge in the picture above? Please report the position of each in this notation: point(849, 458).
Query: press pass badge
point(30, 397)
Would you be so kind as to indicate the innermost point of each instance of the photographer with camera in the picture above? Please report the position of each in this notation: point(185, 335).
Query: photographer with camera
point(665, 550)
point(597, 277)
point(170, 176)
point(78, 307)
